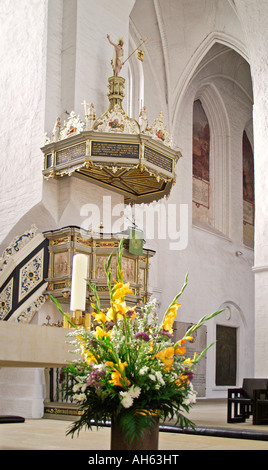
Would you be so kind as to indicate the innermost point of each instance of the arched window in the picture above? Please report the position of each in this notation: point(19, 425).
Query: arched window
point(201, 164)
point(248, 192)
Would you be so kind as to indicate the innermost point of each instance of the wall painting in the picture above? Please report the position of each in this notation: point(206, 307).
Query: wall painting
point(248, 193)
point(201, 177)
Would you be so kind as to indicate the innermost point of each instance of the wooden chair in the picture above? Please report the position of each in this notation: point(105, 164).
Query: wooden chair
point(260, 406)
point(241, 401)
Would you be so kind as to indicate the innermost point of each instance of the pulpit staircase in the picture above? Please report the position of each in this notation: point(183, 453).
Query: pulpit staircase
point(23, 273)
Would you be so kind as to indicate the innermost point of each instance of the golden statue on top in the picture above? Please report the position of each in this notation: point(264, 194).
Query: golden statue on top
point(117, 64)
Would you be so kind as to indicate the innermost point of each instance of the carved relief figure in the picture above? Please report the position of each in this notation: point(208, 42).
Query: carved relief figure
point(60, 264)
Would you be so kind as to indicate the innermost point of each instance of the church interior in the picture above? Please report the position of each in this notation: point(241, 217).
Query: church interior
point(146, 122)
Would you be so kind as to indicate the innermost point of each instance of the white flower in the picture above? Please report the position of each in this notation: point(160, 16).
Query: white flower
point(101, 366)
point(159, 377)
point(191, 397)
point(152, 377)
point(76, 387)
point(127, 400)
point(134, 391)
point(80, 396)
point(143, 370)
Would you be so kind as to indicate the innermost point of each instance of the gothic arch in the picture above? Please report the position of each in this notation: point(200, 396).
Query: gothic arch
point(219, 154)
point(215, 110)
point(194, 64)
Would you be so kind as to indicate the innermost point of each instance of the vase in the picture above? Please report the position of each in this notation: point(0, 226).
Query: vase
point(149, 440)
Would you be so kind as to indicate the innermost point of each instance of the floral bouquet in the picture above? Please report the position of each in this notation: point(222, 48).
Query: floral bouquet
point(130, 369)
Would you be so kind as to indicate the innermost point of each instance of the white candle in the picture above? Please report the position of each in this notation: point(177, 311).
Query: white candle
point(79, 284)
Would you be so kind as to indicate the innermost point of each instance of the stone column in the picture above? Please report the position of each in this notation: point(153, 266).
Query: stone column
point(253, 16)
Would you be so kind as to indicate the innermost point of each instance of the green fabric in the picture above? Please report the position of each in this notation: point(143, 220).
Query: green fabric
point(135, 242)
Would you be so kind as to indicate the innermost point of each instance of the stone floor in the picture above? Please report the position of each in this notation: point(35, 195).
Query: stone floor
point(49, 434)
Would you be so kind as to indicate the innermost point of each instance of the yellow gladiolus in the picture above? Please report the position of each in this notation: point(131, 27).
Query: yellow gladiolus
point(121, 290)
point(118, 380)
point(100, 333)
point(182, 380)
point(180, 350)
point(121, 365)
point(100, 317)
point(167, 357)
point(189, 361)
point(170, 317)
point(120, 307)
point(110, 315)
point(89, 357)
point(116, 377)
point(188, 338)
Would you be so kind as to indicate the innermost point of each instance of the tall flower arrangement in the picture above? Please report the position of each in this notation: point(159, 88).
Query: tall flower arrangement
point(129, 368)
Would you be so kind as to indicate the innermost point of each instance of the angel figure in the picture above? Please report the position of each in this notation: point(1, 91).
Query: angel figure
point(143, 120)
point(90, 117)
point(56, 130)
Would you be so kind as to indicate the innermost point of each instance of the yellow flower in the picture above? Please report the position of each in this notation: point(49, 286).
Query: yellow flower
point(188, 338)
point(118, 311)
point(180, 351)
point(118, 380)
point(121, 365)
point(100, 333)
point(182, 380)
point(89, 357)
point(100, 317)
point(121, 290)
point(170, 317)
point(111, 314)
point(167, 357)
point(189, 361)
point(118, 376)
point(120, 307)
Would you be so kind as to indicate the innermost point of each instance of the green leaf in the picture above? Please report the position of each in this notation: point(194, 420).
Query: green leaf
point(96, 295)
point(202, 321)
point(134, 422)
point(119, 261)
point(61, 311)
point(197, 359)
